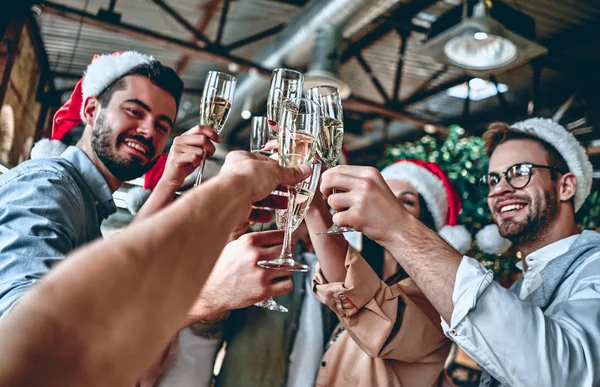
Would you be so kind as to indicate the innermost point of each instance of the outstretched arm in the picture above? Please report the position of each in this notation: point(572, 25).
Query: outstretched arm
point(104, 315)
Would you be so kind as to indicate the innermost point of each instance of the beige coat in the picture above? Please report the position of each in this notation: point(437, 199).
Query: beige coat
point(390, 335)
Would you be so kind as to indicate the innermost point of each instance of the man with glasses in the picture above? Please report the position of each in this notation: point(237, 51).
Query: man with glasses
point(545, 330)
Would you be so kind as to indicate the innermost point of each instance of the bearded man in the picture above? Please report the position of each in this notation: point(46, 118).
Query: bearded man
point(50, 206)
point(545, 331)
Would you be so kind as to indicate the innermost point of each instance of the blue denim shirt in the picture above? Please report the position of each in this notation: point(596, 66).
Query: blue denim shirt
point(48, 207)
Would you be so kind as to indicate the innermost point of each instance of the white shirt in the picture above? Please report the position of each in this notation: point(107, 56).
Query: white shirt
point(519, 344)
point(193, 358)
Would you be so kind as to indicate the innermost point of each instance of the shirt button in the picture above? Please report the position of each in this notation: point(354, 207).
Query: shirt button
point(323, 364)
point(453, 332)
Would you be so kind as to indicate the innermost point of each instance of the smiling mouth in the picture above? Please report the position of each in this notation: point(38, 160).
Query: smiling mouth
point(510, 208)
point(137, 147)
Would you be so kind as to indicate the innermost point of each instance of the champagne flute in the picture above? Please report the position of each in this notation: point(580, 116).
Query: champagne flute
point(304, 198)
point(285, 84)
point(305, 195)
point(217, 97)
point(260, 135)
point(331, 138)
point(298, 130)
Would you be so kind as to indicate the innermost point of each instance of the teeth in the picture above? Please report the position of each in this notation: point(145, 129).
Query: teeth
point(511, 207)
point(136, 146)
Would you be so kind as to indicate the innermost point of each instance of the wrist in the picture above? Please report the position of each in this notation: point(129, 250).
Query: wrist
point(394, 238)
point(168, 185)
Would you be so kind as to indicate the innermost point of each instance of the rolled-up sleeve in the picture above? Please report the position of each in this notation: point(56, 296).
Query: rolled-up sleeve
point(518, 343)
point(392, 322)
point(36, 229)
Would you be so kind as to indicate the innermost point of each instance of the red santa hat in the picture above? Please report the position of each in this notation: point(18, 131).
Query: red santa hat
point(439, 195)
point(102, 72)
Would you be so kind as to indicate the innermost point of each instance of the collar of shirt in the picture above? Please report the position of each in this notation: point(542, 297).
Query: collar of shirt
point(93, 178)
point(537, 261)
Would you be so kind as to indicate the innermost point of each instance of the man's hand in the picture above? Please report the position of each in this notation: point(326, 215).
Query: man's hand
point(237, 281)
point(186, 154)
point(262, 174)
point(366, 204)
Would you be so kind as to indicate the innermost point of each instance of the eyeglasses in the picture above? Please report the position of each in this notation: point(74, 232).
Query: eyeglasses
point(517, 176)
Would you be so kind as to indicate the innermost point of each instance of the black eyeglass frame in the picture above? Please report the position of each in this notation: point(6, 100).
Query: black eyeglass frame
point(484, 180)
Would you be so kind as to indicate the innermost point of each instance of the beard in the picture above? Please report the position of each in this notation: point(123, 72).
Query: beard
point(123, 168)
point(541, 212)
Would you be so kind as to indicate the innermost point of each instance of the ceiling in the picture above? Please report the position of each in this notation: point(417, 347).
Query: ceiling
point(176, 32)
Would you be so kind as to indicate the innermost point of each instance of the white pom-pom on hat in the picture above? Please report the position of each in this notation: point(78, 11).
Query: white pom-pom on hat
point(47, 149)
point(457, 236)
point(490, 241)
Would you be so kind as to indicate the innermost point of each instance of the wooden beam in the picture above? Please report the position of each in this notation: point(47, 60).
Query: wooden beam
point(184, 23)
point(8, 52)
point(224, 12)
point(152, 36)
point(364, 106)
point(593, 151)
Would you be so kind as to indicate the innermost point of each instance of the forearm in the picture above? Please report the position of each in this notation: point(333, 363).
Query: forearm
point(521, 346)
point(429, 261)
point(160, 198)
point(117, 303)
point(330, 249)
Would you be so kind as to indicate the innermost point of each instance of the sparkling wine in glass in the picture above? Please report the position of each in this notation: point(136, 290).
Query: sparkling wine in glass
point(259, 136)
point(332, 133)
point(304, 198)
point(285, 84)
point(217, 98)
point(298, 129)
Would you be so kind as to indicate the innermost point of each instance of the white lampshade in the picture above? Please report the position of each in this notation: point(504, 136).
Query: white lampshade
point(481, 46)
point(480, 51)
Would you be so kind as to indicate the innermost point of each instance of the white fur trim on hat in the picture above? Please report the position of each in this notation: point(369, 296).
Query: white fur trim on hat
point(428, 185)
point(457, 236)
point(45, 149)
point(490, 241)
point(106, 69)
point(570, 149)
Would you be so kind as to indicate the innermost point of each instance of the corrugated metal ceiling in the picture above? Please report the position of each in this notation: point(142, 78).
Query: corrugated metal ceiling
point(70, 45)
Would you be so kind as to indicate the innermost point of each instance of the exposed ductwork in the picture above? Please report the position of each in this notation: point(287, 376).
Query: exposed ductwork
point(351, 14)
point(325, 60)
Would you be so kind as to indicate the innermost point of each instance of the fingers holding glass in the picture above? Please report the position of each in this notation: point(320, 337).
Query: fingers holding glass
point(217, 98)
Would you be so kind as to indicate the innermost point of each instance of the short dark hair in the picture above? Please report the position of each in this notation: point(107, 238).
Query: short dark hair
point(499, 133)
point(162, 76)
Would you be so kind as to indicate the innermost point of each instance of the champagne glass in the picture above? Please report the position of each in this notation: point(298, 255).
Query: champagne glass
point(260, 135)
point(331, 138)
point(217, 97)
point(285, 84)
point(298, 130)
point(305, 195)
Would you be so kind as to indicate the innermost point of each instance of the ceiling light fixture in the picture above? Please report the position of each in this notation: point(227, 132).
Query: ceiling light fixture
point(481, 45)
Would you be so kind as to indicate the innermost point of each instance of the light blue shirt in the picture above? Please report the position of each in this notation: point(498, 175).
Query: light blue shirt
point(48, 207)
point(521, 344)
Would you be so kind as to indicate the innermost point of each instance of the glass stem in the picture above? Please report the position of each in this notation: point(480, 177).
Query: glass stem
point(287, 241)
point(200, 172)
